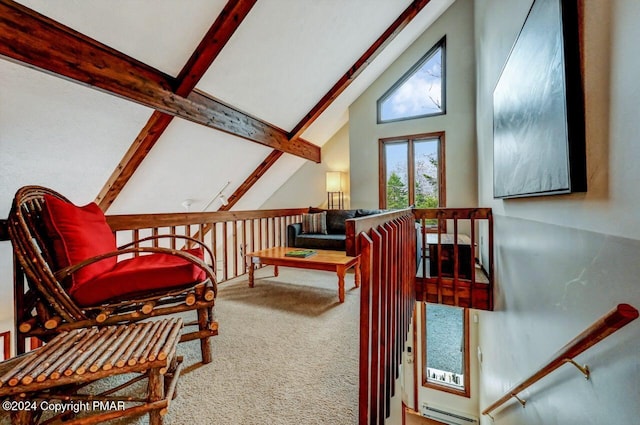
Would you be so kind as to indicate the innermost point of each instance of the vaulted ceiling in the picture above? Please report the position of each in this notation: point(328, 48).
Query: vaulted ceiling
point(258, 87)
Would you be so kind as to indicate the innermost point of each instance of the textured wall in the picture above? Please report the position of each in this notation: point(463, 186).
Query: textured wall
point(57, 134)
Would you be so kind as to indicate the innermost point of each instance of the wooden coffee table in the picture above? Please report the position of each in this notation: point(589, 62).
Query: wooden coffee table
point(336, 261)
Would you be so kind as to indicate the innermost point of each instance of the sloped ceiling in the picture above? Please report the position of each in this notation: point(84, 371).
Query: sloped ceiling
point(293, 52)
point(279, 63)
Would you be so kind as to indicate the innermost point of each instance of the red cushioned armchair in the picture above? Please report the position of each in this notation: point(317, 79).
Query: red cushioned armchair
point(77, 277)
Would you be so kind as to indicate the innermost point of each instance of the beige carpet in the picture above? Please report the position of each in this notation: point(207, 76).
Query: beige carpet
point(287, 353)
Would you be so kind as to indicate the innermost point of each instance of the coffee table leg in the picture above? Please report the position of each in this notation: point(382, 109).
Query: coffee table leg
point(357, 276)
point(275, 271)
point(341, 272)
point(251, 271)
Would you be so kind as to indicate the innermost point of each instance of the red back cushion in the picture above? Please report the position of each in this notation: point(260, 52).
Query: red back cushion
point(78, 233)
point(136, 276)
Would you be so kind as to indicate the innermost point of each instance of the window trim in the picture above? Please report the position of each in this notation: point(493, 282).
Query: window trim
point(466, 392)
point(441, 44)
point(382, 167)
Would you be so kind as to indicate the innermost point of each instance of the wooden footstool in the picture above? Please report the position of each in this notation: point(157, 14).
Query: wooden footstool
point(48, 378)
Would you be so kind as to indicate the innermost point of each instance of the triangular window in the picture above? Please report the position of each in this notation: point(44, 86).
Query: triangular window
point(420, 92)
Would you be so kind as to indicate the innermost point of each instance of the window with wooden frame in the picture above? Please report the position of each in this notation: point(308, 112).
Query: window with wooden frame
point(445, 348)
point(420, 92)
point(412, 171)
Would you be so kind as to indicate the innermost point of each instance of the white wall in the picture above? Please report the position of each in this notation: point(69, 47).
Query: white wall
point(60, 135)
point(611, 114)
point(564, 261)
point(458, 123)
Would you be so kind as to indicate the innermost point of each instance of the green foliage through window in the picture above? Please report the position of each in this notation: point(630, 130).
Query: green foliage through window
point(397, 193)
point(412, 172)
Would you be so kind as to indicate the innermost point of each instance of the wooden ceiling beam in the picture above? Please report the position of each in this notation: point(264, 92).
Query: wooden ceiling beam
point(209, 48)
point(378, 46)
point(36, 41)
point(212, 44)
point(407, 15)
point(132, 159)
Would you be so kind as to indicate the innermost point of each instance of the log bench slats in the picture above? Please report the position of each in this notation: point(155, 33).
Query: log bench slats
point(85, 355)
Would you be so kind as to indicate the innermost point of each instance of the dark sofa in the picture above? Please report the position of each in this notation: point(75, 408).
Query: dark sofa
point(335, 237)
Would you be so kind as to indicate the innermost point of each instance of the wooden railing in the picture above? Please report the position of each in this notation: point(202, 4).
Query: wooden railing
point(229, 235)
point(617, 318)
point(387, 245)
point(390, 276)
point(452, 269)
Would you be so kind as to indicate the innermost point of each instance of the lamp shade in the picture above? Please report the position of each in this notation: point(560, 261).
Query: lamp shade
point(334, 181)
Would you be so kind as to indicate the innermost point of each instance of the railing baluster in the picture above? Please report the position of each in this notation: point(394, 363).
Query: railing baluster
point(253, 235)
point(225, 247)
point(367, 354)
point(456, 261)
point(491, 261)
point(394, 304)
point(154, 232)
point(472, 259)
point(235, 248)
point(243, 250)
point(214, 245)
point(425, 247)
point(377, 367)
point(136, 236)
point(276, 231)
point(386, 303)
point(273, 232)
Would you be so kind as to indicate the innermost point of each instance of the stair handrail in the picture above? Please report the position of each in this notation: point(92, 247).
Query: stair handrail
point(615, 319)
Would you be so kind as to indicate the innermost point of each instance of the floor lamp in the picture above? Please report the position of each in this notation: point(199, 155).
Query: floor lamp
point(335, 196)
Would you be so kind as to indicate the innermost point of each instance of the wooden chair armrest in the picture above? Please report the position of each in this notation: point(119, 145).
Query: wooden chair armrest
point(64, 273)
point(172, 236)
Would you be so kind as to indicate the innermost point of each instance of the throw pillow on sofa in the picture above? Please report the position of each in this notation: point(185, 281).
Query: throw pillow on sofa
point(315, 223)
point(335, 219)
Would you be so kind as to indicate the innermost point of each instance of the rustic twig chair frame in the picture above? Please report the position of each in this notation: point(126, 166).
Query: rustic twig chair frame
point(44, 308)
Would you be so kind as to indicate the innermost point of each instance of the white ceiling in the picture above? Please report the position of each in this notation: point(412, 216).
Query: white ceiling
point(284, 57)
point(288, 54)
point(160, 33)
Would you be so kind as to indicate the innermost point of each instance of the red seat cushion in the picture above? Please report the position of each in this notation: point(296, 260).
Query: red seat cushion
point(77, 234)
point(139, 275)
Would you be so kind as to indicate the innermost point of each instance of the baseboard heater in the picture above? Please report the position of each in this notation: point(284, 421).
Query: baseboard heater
point(447, 416)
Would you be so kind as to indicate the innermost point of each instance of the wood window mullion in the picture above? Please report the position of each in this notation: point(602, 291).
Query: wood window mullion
point(411, 172)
